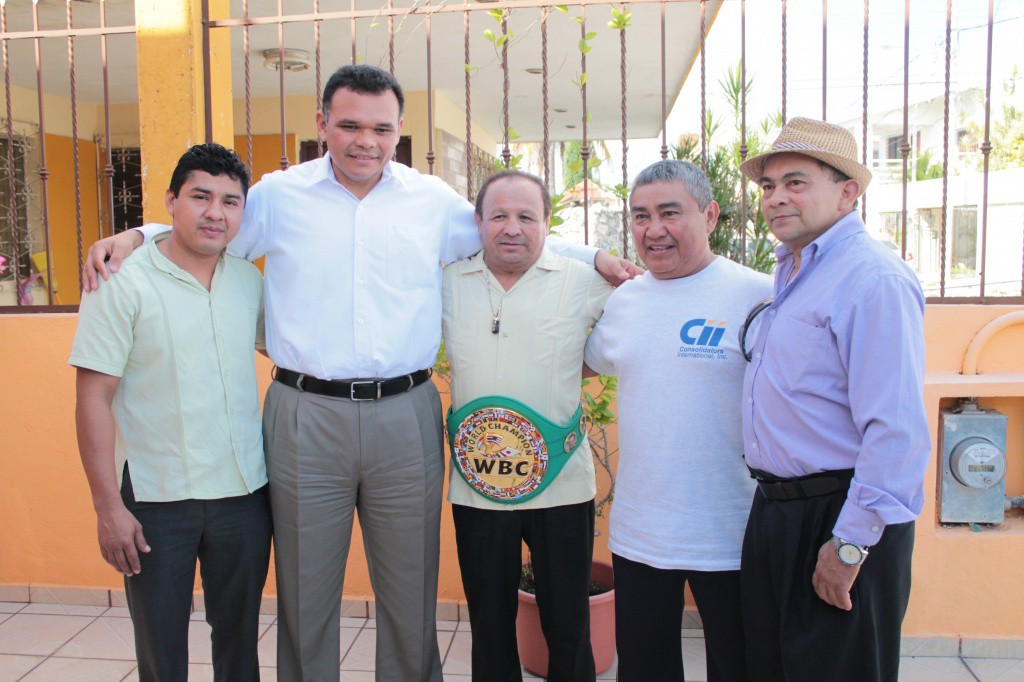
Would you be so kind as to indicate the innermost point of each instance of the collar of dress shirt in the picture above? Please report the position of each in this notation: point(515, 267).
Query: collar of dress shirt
point(165, 264)
point(847, 226)
point(547, 261)
point(324, 170)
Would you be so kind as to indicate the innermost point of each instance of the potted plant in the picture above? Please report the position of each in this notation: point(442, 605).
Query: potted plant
point(533, 649)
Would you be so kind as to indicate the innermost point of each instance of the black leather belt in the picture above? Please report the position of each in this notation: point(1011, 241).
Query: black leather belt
point(358, 389)
point(802, 487)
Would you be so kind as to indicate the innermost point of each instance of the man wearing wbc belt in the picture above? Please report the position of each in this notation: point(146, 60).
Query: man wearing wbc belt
point(515, 322)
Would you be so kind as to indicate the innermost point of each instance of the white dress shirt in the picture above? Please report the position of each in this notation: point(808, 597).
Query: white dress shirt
point(353, 287)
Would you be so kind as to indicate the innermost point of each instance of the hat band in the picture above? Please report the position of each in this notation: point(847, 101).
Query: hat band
point(784, 146)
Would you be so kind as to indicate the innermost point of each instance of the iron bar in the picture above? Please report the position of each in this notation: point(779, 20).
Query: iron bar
point(664, 107)
point(44, 172)
point(625, 146)
point(743, 129)
point(391, 37)
point(248, 86)
point(321, 145)
point(864, 119)
point(280, 74)
point(905, 144)
point(703, 93)
point(784, 119)
point(986, 148)
point(506, 154)
point(108, 170)
point(469, 108)
point(824, 60)
point(207, 85)
point(430, 103)
point(12, 190)
point(74, 145)
point(352, 30)
point(101, 31)
point(945, 153)
point(585, 149)
point(544, 94)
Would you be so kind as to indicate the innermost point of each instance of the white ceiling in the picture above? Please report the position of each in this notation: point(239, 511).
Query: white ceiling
point(448, 72)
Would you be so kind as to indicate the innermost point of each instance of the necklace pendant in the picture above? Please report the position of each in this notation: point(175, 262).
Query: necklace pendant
point(495, 325)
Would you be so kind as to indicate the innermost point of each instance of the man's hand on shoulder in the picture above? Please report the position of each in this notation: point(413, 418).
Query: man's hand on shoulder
point(833, 579)
point(121, 539)
point(105, 257)
point(616, 270)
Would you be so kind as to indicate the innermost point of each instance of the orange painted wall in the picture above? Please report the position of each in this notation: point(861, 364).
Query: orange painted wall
point(61, 191)
point(266, 153)
point(965, 583)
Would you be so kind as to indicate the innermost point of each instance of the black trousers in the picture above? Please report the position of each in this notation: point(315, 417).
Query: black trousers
point(648, 614)
point(791, 634)
point(231, 539)
point(561, 542)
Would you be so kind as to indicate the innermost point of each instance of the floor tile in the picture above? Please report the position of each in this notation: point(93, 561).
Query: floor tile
point(357, 676)
point(79, 670)
point(459, 661)
point(362, 654)
point(992, 648)
point(36, 635)
point(350, 622)
point(11, 606)
point(465, 626)
point(371, 623)
point(64, 609)
point(13, 668)
point(109, 638)
point(118, 612)
point(69, 595)
point(5, 616)
point(933, 669)
point(695, 658)
point(610, 673)
point(458, 678)
point(447, 625)
point(996, 669)
point(692, 632)
point(444, 641)
point(200, 646)
point(268, 618)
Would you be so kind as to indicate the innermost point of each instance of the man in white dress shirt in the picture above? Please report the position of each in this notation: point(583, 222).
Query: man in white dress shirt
point(354, 244)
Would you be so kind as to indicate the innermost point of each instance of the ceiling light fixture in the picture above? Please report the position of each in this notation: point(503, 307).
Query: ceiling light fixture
point(290, 58)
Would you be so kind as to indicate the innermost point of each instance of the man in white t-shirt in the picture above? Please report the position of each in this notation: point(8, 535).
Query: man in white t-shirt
point(682, 493)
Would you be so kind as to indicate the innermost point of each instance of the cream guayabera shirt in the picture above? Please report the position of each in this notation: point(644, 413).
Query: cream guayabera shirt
point(187, 408)
point(536, 358)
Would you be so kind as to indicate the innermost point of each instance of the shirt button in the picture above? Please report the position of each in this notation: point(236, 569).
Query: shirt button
point(874, 529)
point(771, 313)
point(750, 401)
point(754, 445)
point(361, 242)
point(361, 282)
point(501, 377)
point(757, 355)
point(360, 320)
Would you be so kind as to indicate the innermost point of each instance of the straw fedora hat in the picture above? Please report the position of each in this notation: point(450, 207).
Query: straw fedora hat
point(826, 142)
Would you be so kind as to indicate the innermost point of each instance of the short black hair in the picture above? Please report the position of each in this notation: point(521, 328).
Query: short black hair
point(505, 174)
point(836, 174)
point(211, 158)
point(361, 78)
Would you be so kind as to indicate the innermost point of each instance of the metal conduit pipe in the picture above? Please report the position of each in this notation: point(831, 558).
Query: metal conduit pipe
point(970, 364)
point(1014, 503)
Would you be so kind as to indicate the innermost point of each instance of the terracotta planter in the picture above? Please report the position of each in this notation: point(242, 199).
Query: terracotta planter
point(533, 649)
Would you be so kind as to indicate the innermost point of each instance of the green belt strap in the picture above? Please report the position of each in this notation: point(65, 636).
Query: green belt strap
point(553, 434)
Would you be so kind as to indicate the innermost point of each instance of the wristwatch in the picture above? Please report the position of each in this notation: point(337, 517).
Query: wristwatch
point(849, 553)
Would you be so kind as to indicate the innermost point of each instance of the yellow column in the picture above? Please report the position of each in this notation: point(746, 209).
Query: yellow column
point(169, 40)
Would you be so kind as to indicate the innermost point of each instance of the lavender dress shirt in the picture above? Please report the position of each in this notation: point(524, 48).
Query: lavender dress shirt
point(837, 378)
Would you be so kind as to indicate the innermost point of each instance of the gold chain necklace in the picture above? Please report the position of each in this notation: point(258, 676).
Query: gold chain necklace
point(495, 314)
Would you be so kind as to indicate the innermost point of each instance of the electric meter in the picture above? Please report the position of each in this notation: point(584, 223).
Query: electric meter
point(972, 474)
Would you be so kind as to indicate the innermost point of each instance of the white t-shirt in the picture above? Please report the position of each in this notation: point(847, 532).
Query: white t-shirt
point(682, 491)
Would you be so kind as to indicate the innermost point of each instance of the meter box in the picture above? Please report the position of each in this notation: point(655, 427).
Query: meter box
point(973, 475)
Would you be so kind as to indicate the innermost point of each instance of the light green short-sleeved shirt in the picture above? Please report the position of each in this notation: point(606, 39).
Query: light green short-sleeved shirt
point(536, 358)
point(187, 408)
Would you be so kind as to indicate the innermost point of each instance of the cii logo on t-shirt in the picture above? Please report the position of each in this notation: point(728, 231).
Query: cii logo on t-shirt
point(701, 337)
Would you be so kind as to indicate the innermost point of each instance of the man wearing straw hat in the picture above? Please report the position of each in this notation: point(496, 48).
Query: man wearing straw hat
point(833, 422)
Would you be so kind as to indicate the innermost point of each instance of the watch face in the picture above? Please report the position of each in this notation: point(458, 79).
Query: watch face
point(849, 554)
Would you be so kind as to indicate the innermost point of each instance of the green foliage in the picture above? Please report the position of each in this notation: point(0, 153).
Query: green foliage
point(620, 20)
point(598, 415)
point(1007, 131)
point(924, 168)
point(727, 183)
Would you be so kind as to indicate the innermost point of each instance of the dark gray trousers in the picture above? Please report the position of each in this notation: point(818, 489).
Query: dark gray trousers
point(794, 636)
point(231, 539)
point(329, 459)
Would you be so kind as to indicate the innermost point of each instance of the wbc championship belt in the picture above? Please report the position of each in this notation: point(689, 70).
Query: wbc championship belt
point(508, 452)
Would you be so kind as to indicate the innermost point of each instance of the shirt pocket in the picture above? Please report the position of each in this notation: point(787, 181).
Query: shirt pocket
point(553, 334)
point(413, 257)
point(804, 354)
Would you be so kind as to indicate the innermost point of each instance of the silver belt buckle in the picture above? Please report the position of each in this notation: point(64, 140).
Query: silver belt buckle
point(298, 383)
point(352, 389)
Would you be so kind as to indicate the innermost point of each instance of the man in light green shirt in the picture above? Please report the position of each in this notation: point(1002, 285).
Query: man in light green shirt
point(169, 425)
point(515, 323)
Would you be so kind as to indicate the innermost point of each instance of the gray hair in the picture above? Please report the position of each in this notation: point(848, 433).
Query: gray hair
point(669, 170)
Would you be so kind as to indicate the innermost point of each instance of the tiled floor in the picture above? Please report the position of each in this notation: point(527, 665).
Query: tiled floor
point(54, 643)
